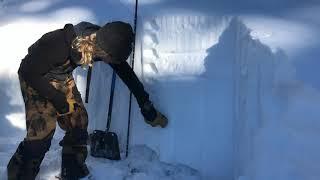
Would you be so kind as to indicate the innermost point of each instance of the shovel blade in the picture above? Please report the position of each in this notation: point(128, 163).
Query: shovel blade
point(104, 145)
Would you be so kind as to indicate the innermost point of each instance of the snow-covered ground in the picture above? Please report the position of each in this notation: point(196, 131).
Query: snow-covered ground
point(237, 81)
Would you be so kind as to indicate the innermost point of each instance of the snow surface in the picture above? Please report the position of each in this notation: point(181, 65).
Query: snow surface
point(237, 81)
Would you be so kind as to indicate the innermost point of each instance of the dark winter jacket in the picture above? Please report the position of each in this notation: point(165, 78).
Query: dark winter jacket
point(52, 57)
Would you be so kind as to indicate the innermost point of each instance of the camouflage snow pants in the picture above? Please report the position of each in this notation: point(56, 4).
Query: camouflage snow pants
point(41, 119)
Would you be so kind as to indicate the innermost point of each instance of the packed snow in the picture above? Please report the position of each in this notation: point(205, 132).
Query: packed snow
point(237, 81)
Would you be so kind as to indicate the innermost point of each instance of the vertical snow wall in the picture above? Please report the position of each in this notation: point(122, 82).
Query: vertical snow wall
point(209, 77)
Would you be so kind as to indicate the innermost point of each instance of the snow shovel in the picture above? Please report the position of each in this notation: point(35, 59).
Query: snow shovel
point(105, 144)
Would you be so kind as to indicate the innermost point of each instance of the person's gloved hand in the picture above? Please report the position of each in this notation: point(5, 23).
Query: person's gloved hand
point(64, 106)
point(152, 116)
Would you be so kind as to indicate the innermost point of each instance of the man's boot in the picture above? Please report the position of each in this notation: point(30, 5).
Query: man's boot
point(73, 167)
point(74, 154)
point(16, 165)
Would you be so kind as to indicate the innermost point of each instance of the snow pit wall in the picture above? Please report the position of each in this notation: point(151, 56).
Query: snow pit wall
point(205, 73)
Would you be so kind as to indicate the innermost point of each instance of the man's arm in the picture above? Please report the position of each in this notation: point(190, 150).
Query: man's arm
point(128, 76)
point(33, 74)
point(151, 115)
point(37, 63)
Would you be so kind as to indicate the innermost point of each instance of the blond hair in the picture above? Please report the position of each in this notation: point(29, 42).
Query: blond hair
point(86, 45)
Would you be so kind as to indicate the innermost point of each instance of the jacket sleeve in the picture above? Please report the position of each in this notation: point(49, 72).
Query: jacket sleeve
point(34, 77)
point(34, 70)
point(127, 75)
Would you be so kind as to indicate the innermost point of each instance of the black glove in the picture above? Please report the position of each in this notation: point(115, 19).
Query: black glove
point(152, 116)
point(63, 106)
point(148, 111)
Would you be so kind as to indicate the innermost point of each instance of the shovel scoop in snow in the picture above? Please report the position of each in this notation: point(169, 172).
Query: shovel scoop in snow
point(105, 145)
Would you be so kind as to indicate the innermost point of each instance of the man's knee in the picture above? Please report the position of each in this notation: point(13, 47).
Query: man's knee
point(80, 118)
point(76, 120)
point(75, 137)
point(40, 127)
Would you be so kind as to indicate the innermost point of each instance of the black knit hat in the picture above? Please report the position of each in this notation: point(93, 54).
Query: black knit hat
point(115, 38)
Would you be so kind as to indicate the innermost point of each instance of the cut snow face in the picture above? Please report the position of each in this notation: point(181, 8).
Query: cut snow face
point(175, 46)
